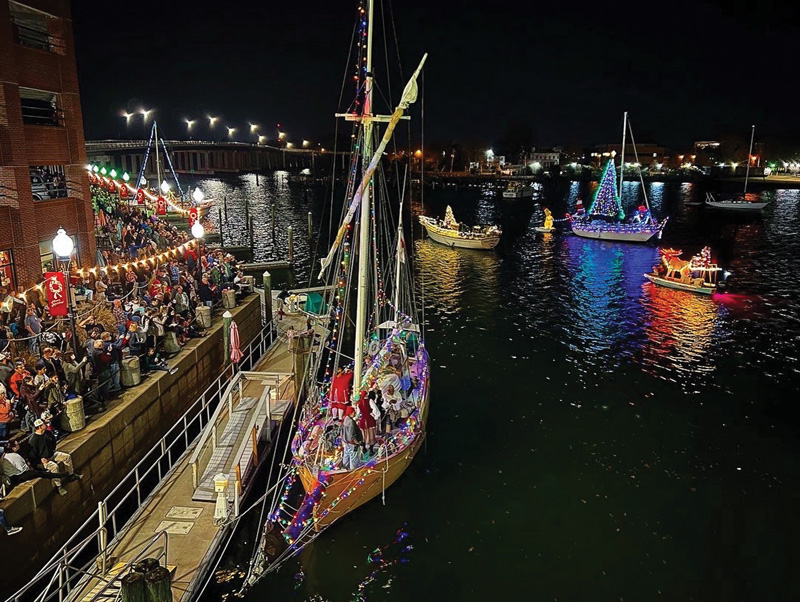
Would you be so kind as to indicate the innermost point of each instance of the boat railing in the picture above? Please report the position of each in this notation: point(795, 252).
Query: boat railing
point(86, 552)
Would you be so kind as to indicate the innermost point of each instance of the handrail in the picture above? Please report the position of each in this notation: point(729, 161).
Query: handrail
point(216, 415)
point(60, 564)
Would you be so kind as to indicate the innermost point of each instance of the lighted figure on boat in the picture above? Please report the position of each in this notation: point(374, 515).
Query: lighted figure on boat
point(548, 222)
point(699, 275)
point(449, 232)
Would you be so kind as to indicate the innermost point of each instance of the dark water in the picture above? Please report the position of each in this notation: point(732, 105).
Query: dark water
point(591, 437)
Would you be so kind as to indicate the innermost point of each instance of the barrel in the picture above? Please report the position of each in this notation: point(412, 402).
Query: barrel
point(130, 374)
point(229, 299)
point(72, 418)
point(204, 316)
point(171, 344)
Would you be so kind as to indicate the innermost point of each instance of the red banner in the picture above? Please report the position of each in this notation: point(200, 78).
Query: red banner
point(123, 191)
point(56, 293)
point(140, 196)
point(112, 186)
point(192, 216)
point(161, 206)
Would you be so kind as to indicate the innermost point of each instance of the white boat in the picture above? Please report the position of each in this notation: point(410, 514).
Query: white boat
point(606, 218)
point(326, 476)
point(517, 190)
point(449, 232)
point(698, 275)
point(739, 202)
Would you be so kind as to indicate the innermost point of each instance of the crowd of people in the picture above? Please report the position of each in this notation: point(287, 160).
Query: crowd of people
point(132, 307)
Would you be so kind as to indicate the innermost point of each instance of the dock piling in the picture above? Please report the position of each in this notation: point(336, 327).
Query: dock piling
point(310, 226)
point(250, 232)
point(225, 205)
point(221, 238)
point(290, 232)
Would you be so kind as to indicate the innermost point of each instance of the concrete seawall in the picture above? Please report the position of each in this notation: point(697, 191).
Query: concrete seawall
point(110, 446)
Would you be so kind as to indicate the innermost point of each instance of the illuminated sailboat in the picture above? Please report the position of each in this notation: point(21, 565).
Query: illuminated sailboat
point(449, 232)
point(328, 476)
point(606, 219)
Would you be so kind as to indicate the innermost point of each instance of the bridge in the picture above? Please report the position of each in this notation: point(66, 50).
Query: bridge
point(204, 157)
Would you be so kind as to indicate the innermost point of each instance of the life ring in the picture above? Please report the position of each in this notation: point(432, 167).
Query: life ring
point(374, 347)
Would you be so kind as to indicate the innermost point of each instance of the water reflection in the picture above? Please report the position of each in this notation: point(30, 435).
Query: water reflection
point(680, 329)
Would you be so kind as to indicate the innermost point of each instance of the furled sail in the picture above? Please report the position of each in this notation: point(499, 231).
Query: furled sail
point(409, 97)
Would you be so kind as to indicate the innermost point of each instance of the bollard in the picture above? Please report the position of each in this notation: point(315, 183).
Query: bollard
point(267, 317)
point(257, 182)
point(310, 226)
point(291, 243)
point(158, 584)
point(226, 334)
point(133, 589)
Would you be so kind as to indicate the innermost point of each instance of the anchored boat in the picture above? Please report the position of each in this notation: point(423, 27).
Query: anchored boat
point(328, 472)
point(517, 190)
point(606, 219)
point(739, 202)
point(698, 275)
point(449, 232)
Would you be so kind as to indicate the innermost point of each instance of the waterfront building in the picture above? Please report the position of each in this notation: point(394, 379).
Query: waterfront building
point(43, 182)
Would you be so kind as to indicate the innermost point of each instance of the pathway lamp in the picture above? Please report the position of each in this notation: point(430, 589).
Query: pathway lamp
point(197, 230)
point(198, 196)
point(62, 249)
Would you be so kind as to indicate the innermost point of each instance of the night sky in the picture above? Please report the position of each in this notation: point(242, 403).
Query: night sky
point(560, 71)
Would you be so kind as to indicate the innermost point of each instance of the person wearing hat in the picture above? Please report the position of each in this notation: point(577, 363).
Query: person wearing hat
point(351, 438)
point(6, 369)
point(43, 453)
point(15, 379)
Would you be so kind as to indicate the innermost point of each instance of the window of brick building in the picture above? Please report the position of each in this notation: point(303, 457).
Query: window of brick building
point(49, 264)
point(40, 108)
point(31, 28)
point(48, 182)
point(7, 269)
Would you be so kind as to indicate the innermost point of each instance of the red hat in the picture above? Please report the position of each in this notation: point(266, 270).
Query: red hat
point(349, 410)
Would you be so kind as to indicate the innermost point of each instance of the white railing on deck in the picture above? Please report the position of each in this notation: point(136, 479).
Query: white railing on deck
point(85, 553)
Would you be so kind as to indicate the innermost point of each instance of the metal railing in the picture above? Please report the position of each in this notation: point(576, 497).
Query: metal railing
point(89, 545)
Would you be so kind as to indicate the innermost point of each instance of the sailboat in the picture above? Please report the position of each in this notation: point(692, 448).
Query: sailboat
point(181, 203)
point(449, 232)
point(606, 217)
point(327, 475)
point(738, 203)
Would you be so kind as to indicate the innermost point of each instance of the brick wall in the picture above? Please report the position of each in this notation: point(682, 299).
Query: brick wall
point(25, 221)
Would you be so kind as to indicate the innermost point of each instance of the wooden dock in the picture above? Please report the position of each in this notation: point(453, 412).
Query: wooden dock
point(176, 523)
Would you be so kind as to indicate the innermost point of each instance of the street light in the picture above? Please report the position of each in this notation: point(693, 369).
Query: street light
point(125, 176)
point(253, 128)
point(211, 122)
point(127, 117)
point(262, 139)
point(189, 124)
point(197, 230)
point(145, 113)
point(305, 143)
point(164, 187)
point(198, 196)
point(289, 145)
point(62, 249)
point(231, 132)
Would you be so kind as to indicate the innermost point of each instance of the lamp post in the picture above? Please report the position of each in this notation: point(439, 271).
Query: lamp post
point(198, 231)
point(211, 122)
point(62, 248)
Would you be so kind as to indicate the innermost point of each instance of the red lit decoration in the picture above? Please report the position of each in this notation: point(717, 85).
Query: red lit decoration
point(161, 206)
point(56, 293)
point(140, 196)
point(192, 216)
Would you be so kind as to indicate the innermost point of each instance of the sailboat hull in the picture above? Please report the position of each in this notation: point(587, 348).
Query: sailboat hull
point(463, 240)
point(617, 232)
point(736, 205)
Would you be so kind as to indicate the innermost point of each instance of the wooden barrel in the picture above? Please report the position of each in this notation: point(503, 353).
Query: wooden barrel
point(171, 344)
point(133, 589)
point(204, 316)
point(229, 299)
point(158, 583)
point(129, 372)
point(72, 418)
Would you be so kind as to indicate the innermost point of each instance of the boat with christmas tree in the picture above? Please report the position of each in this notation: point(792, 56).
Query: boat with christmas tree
point(449, 232)
point(698, 275)
point(606, 219)
point(327, 475)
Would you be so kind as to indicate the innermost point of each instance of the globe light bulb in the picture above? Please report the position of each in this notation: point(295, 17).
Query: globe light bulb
point(62, 244)
point(197, 230)
point(198, 195)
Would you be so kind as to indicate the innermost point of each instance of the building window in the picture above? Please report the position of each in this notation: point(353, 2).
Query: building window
point(48, 182)
point(49, 264)
point(40, 108)
point(7, 269)
point(31, 28)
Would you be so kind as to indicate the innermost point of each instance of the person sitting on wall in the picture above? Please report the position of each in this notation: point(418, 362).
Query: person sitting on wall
point(43, 453)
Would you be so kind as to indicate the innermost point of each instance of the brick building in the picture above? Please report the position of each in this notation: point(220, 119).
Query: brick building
point(43, 182)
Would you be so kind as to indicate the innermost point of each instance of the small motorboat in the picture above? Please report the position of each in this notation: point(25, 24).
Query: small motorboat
point(698, 275)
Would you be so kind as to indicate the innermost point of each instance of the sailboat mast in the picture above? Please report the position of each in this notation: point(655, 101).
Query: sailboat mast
point(622, 158)
point(397, 267)
point(749, 156)
point(158, 160)
point(364, 218)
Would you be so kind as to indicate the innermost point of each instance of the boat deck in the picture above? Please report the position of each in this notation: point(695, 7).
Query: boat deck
point(186, 512)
